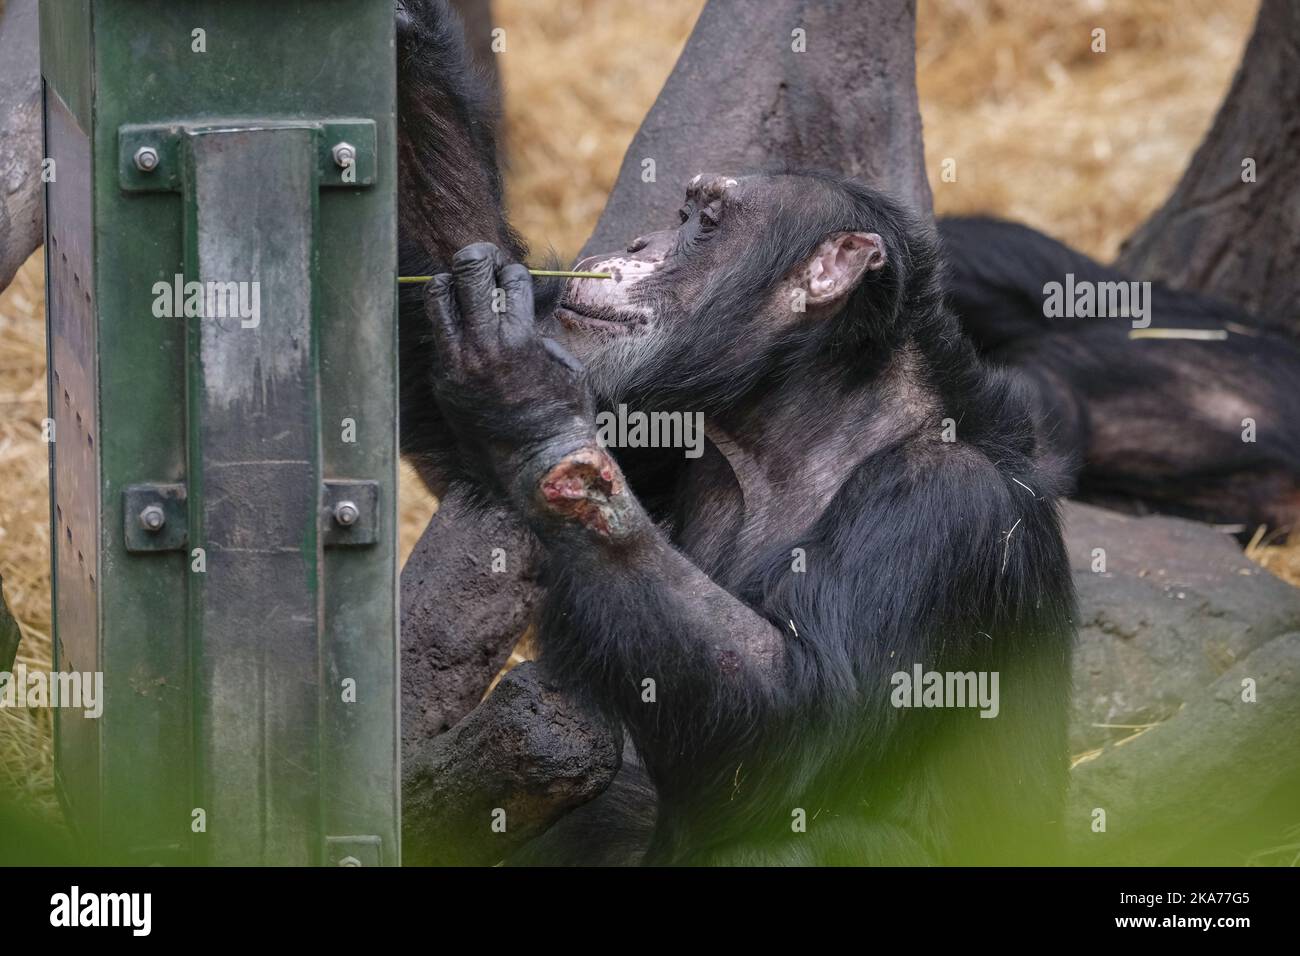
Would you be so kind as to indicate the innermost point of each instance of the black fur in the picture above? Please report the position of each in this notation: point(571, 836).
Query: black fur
point(910, 562)
point(1148, 425)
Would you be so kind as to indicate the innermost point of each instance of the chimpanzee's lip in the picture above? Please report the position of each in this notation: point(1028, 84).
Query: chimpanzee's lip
point(572, 313)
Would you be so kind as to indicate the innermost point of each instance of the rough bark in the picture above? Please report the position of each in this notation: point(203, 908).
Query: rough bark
point(22, 213)
point(522, 759)
point(1217, 234)
point(741, 99)
point(460, 619)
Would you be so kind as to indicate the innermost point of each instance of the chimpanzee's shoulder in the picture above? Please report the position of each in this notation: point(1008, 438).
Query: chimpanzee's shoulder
point(937, 532)
point(974, 513)
point(990, 478)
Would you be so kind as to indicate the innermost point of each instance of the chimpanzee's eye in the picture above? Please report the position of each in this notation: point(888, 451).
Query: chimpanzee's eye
point(709, 215)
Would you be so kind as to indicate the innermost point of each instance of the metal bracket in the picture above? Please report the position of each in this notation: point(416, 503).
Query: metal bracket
point(149, 158)
point(154, 517)
point(354, 851)
point(341, 527)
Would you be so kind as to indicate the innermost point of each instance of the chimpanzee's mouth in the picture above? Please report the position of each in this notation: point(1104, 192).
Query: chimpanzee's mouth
point(584, 316)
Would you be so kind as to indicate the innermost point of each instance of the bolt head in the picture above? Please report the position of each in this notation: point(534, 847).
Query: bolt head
point(146, 159)
point(345, 154)
point(152, 517)
point(346, 513)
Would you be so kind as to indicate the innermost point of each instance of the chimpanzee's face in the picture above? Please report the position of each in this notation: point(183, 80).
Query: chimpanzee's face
point(663, 279)
point(658, 278)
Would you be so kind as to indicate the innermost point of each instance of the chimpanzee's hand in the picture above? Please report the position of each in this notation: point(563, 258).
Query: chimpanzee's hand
point(516, 401)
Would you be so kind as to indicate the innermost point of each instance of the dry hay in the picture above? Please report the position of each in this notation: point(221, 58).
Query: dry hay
point(1081, 145)
point(25, 745)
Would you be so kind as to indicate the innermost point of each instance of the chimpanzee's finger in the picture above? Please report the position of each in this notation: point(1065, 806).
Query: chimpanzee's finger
point(440, 306)
point(475, 268)
point(562, 355)
point(517, 318)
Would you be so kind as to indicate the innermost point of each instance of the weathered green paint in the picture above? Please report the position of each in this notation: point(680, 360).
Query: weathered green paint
point(176, 732)
point(66, 51)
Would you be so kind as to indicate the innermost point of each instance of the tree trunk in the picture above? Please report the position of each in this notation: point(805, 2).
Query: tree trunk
point(742, 99)
point(460, 617)
point(22, 213)
point(518, 762)
point(1234, 239)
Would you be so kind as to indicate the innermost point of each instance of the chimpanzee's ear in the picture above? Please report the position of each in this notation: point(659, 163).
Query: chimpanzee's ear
point(839, 263)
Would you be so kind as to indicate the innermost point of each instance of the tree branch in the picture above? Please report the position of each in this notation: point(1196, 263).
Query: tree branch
point(740, 98)
point(1218, 234)
point(521, 760)
point(22, 212)
point(460, 618)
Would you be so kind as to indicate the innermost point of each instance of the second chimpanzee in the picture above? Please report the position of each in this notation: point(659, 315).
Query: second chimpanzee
point(844, 636)
point(1207, 428)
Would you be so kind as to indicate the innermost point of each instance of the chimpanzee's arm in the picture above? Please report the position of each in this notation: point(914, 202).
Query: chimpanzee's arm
point(449, 195)
point(449, 182)
point(520, 407)
point(592, 524)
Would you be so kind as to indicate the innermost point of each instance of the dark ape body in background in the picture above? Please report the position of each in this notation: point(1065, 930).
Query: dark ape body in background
point(1149, 424)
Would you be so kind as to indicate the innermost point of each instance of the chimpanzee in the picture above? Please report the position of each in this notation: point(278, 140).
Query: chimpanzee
point(1204, 429)
point(870, 513)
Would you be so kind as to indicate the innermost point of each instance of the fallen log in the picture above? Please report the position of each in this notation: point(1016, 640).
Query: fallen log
point(518, 762)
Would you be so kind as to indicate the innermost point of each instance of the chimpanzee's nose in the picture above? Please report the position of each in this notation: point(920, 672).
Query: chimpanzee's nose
point(637, 244)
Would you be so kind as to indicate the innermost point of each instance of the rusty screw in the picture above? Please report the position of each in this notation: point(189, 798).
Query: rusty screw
point(152, 518)
point(146, 159)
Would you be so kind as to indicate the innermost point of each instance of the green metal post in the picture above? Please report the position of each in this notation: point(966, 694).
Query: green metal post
point(223, 377)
